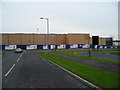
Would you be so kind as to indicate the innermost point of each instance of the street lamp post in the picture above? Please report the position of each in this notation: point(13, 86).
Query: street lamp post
point(37, 30)
point(89, 46)
point(47, 29)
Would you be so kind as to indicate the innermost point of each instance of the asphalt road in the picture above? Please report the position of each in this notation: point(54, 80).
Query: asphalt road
point(100, 54)
point(29, 70)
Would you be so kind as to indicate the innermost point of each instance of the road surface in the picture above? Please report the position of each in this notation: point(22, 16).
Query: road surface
point(29, 70)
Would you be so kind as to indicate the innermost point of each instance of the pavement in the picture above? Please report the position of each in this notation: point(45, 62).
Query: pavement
point(101, 54)
point(29, 70)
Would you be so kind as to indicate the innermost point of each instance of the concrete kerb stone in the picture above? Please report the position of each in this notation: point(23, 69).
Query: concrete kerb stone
point(90, 85)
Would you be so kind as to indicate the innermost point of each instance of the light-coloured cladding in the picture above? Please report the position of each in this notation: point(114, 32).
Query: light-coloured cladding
point(42, 39)
point(51, 39)
point(90, 40)
point(27, 39)
point(39, 39)
point(78, 38)
point(14, 39)
point(0, 39)
point(61, 39)
point(102, 41)
point(5, 39)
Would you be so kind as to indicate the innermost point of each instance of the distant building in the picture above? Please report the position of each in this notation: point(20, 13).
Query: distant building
point(109, 41)
point(49, 41)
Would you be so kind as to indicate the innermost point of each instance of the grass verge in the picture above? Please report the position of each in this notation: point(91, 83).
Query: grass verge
point(114, 53)
point(2, 53)
point(72, 53)
point(99, 77)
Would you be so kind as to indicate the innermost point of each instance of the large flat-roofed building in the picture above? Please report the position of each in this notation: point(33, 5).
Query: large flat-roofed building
point(44, 39)
point(40, 41)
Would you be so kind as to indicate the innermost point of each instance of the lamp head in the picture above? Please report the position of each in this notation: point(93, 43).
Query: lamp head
point(41, 18)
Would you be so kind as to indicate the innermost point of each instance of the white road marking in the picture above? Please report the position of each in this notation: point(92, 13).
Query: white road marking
point(18, 59)
point(21, 55)
point(10, 70)
point(13, 66)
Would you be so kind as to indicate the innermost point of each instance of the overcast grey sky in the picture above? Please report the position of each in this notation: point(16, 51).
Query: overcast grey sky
point(96, 18)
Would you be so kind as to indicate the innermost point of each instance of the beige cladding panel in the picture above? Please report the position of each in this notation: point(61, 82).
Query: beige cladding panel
point(39, 39)
point(102, 41)
point(27, 39)
point(78, 38)
point(0, 39)
point(5, 39)
point(42, 39)
point(90, 40)
point(15, 39)
point(61, 39)
point(51, 39)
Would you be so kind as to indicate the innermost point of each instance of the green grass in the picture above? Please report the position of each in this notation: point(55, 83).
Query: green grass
point(99, 77)
point(114, 53)
point(95, 50)
point(72, 53)
point(106, 50)
point(2, 53)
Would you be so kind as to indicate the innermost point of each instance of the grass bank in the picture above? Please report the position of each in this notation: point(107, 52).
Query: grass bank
point(2, 53)
point(99, 77)
point(72, 53)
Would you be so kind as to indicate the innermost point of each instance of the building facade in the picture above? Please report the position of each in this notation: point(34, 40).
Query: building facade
point(47, 41)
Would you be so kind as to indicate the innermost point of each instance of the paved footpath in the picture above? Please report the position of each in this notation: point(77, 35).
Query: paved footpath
point(103, 65)
point(29, 70)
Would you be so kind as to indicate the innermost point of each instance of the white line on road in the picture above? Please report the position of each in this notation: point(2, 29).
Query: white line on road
point(13, 66)
point(21, 55)
point(18, 59)
point(9, 70)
